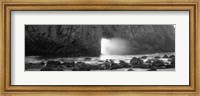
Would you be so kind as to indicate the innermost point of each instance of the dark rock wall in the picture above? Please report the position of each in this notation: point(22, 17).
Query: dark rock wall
point(64, 40)
point(84, 40)
point(144, 38)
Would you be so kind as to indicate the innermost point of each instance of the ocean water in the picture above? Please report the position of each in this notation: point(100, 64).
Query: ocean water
point(96, 60)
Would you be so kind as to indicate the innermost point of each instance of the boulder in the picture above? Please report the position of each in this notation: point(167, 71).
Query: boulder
point(124, 64)
point(165, 56)
point(59, 68)
point(81, 66)
point(144, 57)
point(102, 67)
point(115, 66)
point(95, 67)
point(42, 63)
point(149, 61)
point(136, 61)
point(53, 64)
point(159, 64)
point(88, 59)
point(27, 66)
point(55, 68)
point(172, 56)
point(130, 69)
point(170, 66)
point(173, 62)
point(46, 69)
point(74, 69)
point(141, 66)
point(152, 69)
point(34, 65)
point(110, 60)
point(69, 64)
point(157, 57)
point(108, 65)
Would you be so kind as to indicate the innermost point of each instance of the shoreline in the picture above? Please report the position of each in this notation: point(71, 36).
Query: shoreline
point(148, 62)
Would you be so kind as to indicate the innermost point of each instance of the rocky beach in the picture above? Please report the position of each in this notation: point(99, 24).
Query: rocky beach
point(148, 62)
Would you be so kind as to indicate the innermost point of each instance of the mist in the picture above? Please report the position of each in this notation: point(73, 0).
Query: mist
point(114, 46)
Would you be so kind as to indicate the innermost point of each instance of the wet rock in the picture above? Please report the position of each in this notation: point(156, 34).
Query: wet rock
point(84, 67)
point(149, 61)
point(136, 61)
point(102, 67)
point(170, 66)
point(81, 66)
point(74, 69)
point(166, 63)
point(34, 65)
point(173, 61)
point(59, 68)
point(27, 66)
point(46, 69)
point(115, 66)
point(88, 59)
point(141, 66)
point(157, 57)
point(152, 69)
point(42, 63)
point(130, 69)
point(111, 61)
point(69, 64)
point(144, 57)
point(108, 65)
point(161, 67)
point(53, 64)
point(172, 56)
point(94, 67)
point(165, 56)
point(124, 64)
point(159, 64)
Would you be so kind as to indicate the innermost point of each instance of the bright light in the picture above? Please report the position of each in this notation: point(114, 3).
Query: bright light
point(104, 45)
point(114, 46)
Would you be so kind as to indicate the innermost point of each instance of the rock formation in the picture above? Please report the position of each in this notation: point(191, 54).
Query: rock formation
point(84, 40)
point(62, 40)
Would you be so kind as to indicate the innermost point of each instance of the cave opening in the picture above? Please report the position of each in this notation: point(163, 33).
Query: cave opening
point(115, 46)
point(111, 45)
point(105, 43)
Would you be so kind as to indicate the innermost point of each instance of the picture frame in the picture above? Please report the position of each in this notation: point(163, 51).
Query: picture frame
point(96, 5)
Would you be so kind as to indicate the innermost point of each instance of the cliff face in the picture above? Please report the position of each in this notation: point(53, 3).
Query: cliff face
point(144, 38)
point(84, 40)
point(62, 40)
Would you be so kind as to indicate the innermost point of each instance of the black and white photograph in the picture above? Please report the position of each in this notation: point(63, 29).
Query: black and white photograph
point(100, 47)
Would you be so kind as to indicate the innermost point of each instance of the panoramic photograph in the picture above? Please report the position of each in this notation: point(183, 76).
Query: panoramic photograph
point(100, 47)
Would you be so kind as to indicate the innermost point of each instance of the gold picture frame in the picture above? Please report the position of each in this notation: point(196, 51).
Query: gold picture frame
point(153, 5)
